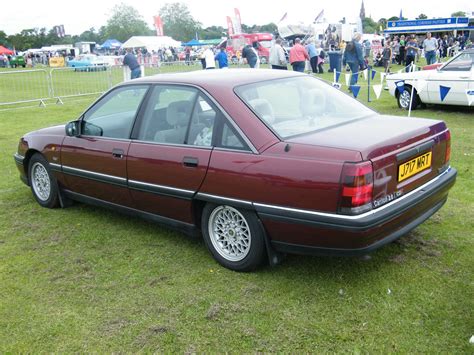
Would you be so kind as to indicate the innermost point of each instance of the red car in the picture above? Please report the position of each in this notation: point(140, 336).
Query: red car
point(260, 162)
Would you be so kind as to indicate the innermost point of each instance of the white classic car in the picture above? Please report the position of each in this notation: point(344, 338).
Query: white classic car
point(450, 84)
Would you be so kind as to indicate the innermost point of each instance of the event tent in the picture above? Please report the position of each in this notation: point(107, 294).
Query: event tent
point(151, 42)
point(4, 50)
point(111, 44)
point(193, 42)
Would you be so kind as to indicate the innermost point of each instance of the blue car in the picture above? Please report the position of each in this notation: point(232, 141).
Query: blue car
point(88, 62)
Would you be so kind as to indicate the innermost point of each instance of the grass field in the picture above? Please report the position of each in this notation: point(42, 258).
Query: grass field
point(84, 279)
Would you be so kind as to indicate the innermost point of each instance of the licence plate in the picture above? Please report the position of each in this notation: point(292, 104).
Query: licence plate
point(414, 166)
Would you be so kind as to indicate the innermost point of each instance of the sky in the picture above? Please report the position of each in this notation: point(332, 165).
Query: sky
point(79, 16)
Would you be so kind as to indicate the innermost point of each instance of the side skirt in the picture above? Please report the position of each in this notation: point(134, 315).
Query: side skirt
point(187, 228)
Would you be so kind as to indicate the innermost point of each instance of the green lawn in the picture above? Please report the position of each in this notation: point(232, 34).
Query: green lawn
point(84, 279)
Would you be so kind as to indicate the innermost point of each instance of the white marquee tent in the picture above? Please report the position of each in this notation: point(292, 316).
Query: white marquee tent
point(151, 42)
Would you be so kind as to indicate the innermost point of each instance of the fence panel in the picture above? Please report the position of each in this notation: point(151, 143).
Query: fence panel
point(67, 82)
point(21, 86)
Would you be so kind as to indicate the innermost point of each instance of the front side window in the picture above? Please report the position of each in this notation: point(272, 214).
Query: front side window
point(462, 62)
point(113, 116)
point(300, 105)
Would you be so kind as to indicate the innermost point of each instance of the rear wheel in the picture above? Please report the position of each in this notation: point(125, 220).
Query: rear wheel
point(404, 98)
point(43, 184)
point(263, 60)
point(233, 236)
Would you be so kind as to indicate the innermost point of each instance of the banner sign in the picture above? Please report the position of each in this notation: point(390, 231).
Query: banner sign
point(158, 25)
point(238, 21)
point(230, 26)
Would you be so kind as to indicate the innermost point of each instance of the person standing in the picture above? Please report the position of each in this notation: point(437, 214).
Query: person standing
point(430, 45)
point(209, 60)
point(387, 56)
point(411, 49)
point(353, 57)
point(277, 57)
point(298, 56)
point(221, 58)
point(250, 55)
point(321, 58)
point(402, 49)
point(313, 56)
point(131, 61)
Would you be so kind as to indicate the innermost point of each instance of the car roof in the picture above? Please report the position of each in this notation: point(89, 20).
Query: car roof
point(225, 77)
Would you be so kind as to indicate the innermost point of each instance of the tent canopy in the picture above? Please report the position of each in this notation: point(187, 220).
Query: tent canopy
point(111, 44)
point(193, 42)
point(151, 42)
point(4, 50)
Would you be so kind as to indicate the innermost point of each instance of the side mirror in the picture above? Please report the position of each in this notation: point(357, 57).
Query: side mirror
point(72, 129)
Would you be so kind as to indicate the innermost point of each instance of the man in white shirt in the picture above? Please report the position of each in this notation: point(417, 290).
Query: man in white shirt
point(430, 45)
point(208, 56)
point(277, 56)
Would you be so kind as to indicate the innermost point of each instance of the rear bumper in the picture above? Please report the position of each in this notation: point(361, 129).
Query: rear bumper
point(308, 232)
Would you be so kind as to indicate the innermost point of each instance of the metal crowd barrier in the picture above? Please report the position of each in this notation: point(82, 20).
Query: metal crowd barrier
point(22, 86)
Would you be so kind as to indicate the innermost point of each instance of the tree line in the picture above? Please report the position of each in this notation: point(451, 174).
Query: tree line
point(125, 21)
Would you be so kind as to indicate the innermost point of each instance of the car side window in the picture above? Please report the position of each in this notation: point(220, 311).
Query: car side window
point(463, 62)
point(167, 115)
point(202, 123)
point(230, 139)
point(113, 116)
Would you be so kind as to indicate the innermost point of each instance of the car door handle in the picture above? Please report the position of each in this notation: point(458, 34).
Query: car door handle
point(464, 77)
point(117, 153)
point(190, 162)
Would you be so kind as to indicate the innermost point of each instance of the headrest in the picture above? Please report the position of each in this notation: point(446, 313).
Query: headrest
point(313, 102)
point(178, 113)
point(263, 109)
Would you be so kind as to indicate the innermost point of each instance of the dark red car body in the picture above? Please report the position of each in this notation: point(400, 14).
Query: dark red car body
point(293, 185)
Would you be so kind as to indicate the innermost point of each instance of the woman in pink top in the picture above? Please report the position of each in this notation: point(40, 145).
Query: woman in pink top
point(298, 56)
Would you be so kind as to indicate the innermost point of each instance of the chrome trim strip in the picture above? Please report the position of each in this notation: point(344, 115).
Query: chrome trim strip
point(68, 169)
point(360, 216)
point(172, 144)
point(18, 158)
point(200, 194)
point(161, 187)
point(55, 166)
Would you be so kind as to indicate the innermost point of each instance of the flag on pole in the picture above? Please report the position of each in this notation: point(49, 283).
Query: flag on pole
point(230, 26)
point(283, 17)
point(317, 18)
point(373, 73)
point(158, 25)
point(238, 24)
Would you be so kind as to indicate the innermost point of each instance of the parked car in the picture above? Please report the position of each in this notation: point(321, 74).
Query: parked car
point(17, 61)
point(228, 154)
point(88, 62)
point(450, 84)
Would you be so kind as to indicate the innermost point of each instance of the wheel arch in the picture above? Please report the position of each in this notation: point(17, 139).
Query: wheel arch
point(26, 162)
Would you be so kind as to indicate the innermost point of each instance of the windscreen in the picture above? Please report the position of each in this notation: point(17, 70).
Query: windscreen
point(299, 105)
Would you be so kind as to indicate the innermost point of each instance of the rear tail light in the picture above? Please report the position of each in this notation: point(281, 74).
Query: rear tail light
point(448, 148)
point(356, 187)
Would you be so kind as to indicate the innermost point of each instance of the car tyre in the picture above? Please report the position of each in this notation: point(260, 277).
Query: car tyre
point(263, 60)
point(233, 236)
point(403, 99)
point(42, 182)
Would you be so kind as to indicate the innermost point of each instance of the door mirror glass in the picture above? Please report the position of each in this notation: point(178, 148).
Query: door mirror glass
point(72, 129)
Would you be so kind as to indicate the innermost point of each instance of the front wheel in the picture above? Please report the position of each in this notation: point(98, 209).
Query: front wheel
point(43, 184)
point(233, 236)
point(403, 99)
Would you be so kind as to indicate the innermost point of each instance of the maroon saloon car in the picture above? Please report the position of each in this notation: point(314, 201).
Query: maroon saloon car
point(260, 162)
